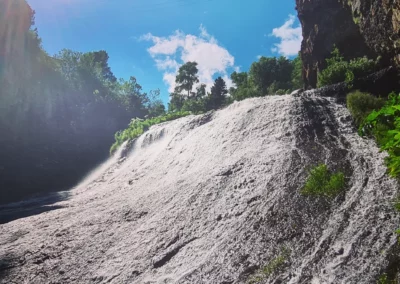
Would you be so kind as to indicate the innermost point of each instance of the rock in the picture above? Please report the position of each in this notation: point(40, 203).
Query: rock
point(296, 92)
point(326, 23)
point(164, 228)
point(380, 83)
point(358, 28)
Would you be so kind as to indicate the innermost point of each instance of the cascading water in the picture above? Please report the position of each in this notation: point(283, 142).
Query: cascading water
point(215, 198)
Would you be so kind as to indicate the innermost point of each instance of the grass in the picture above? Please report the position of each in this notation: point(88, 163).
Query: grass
point(273, 266)
point(321, 182)
point(138, 126)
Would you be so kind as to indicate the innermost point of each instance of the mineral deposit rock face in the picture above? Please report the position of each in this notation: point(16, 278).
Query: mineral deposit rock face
point(215, 198)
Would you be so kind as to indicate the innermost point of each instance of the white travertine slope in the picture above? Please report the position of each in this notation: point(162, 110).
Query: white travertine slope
point(212, 198)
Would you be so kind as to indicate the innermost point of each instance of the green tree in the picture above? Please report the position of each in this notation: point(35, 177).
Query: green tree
point(134, 97)
point(297, 76)
point(270, 69)
point(201, 91)
point(239, 79)
point(64, 109)
point(176, 102)
point(218, 94)
point(244, 87)
point(155, 106)
point(187, 77)
point(194, 105)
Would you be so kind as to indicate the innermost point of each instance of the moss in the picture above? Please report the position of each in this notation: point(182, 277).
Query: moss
point(271, 267)
point(357, 20)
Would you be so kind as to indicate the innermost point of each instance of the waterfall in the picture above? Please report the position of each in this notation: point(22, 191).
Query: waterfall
point(215, 198)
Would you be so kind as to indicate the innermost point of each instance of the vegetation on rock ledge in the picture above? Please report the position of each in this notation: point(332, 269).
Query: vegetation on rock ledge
point(384, 125)
point(339, 70)
point(321, 182)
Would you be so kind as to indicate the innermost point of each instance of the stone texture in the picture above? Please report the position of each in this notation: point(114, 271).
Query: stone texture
point(213, 199)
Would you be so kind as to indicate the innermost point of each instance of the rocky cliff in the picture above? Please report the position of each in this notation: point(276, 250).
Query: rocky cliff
point(357, 28)
point(215, 199)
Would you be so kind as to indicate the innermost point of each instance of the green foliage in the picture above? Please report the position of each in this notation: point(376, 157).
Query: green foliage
point(396, 204)
point(398, 235)
point(270, 268)
point(138, 126)
point(297, 76)
point(155, 106)
point(199, 101)
point(63, 108)
point(321, 182)
point(244, 88)
point(176, 102)
point(268, 70)
point(384, 125)
point(194, 105)
point(338, 70)
point(240, 79)
point(268, 76)
point(281, 92)
point(244, 93)
point(361, 104)
point(216, 98)
point(384, 279)
point(187, 77)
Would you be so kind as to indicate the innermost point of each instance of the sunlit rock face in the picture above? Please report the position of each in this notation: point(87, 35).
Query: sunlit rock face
point(215, 198)
point(357, 28)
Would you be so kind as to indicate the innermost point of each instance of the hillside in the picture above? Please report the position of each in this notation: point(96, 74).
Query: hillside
point(214, 198)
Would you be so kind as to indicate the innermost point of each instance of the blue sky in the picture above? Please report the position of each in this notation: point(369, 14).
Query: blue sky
point(149, 39)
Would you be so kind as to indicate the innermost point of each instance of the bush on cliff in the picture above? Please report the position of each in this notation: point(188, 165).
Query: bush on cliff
point(384, 125)
point(339, 70)
point(362, 104)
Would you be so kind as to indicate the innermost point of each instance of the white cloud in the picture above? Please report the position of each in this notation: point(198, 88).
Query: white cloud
point(171, 52)
point(290, 38)
point(167, 63)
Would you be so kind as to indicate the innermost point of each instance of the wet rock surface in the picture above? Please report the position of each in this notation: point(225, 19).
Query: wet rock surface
point(214, 198)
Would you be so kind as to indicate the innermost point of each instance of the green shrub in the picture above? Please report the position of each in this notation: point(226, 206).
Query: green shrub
point(384, 125)
point(361, 104)
point(384, 279)
point(321, 182)
point(138, 126)
point(338, 70)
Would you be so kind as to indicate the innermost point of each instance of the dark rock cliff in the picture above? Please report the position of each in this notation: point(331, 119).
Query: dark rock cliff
point(356, 27)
